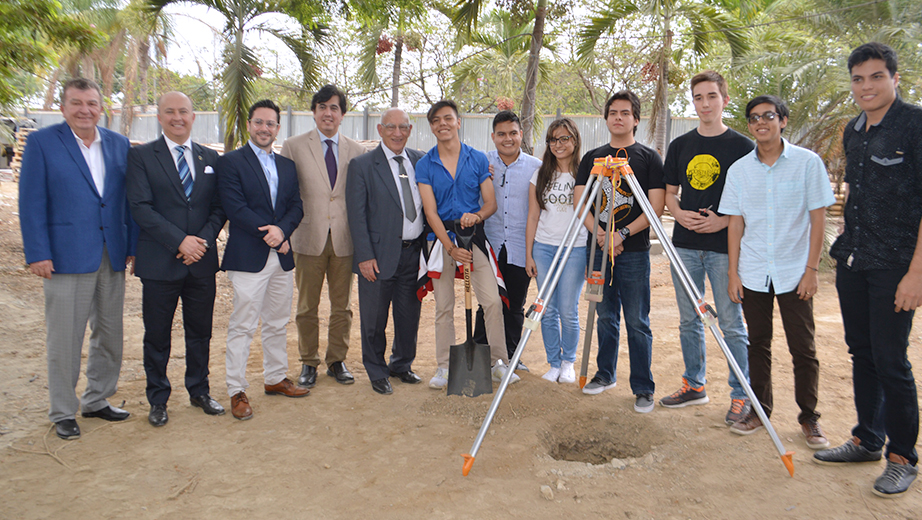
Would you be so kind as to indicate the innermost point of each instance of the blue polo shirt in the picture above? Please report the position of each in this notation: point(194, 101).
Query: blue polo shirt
point(458, 195)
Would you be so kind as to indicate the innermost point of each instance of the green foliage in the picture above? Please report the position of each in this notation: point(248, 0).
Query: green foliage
point(31, 32)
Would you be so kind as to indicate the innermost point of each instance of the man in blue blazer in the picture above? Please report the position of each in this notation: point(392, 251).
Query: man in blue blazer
point(173, 195)
point(386, 221)
point(259, 191)
point(78, 236)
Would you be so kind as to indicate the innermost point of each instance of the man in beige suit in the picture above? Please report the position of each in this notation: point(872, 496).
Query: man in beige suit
point(322, 244)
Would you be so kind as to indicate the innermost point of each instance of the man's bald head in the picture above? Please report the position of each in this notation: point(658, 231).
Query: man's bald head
point(174, 111)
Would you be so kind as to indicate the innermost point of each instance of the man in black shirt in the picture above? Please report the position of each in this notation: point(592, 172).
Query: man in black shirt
point(628, 283)
point(698, 162)
point(879, 272)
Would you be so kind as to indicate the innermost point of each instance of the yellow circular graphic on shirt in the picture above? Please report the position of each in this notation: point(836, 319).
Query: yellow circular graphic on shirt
point(703, 170)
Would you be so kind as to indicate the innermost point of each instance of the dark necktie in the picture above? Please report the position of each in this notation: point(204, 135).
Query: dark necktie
point(330, 159)
point(184, 174)
point(409, 207)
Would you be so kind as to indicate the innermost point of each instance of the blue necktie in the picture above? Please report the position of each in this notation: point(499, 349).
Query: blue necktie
point(184, 174)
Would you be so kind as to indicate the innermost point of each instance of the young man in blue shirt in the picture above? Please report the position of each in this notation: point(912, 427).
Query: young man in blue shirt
point(452, 179)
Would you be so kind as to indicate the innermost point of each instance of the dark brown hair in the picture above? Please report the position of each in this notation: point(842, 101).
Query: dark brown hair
point(549, 166)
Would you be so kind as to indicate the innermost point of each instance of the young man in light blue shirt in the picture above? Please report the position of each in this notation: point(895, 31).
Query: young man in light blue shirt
point(776, 197)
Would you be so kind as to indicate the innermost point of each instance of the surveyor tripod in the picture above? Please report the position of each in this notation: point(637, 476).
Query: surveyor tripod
point(616, 169)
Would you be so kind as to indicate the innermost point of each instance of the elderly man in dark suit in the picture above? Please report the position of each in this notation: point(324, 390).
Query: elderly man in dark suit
point(78, 236)
point(173, 196)
point(386, 221)
point(259, 190)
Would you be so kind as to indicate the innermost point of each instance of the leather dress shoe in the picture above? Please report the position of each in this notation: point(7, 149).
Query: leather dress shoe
point(206, 403)
point(240, 406)
point(158, 415)
point(308, 377)
point(382, 386)
point(287, 388)
point(109, 413)
point(67, 429)
point(341, 373)
point(408, 377)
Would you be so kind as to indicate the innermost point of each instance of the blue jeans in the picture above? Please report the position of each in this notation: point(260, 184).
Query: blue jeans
point(877, 338)
point(560, 323)
point(730, 318)
point(629, 290)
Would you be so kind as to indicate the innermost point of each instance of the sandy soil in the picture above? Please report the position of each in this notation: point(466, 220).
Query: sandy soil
point(346, 452)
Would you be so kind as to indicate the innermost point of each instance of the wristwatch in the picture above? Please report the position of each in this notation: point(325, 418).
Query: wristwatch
point(624, 232)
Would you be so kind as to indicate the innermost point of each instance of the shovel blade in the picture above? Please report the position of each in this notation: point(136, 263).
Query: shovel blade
point(469, 370)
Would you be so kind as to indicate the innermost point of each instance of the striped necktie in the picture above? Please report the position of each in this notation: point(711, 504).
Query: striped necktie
point(184, 174)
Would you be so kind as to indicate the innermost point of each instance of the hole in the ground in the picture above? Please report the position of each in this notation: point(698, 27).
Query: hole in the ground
point(598, 440)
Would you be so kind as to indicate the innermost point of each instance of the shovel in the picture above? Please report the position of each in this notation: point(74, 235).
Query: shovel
point(468, 363)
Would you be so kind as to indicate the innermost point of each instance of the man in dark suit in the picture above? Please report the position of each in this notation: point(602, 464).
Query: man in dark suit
point(259, 190)
point(386, 221)
point(78, 236)
point(173, 196)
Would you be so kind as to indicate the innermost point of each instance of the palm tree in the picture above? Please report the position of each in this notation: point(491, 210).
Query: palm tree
point(241, 65)
point(706, 23)
point(467, 16)
point(387, 25)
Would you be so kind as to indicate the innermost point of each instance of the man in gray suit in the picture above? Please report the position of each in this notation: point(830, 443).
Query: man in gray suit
point(386, 221)
point(173, 196)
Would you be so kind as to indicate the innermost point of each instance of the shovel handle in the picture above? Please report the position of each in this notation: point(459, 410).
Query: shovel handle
point(467, 287)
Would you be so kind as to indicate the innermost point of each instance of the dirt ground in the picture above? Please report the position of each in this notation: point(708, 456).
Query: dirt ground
point(346, 452)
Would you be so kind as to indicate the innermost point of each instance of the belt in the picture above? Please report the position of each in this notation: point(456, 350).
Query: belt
point(410, 243)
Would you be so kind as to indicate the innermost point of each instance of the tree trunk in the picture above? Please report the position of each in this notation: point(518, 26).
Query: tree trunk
point(143, 71)
point(531, 77)
point(52, 88)
point(395, 81)
point(661, 112)
point(129, 88)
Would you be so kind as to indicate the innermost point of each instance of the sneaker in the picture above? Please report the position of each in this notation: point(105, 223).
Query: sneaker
point(747, 425)
point(521, 366)
point(896, 479)
point(567, 373)
point(685, 396)
point(597, 385)
point(552, 374)
point(644, 403)
point(738, 409)
point(499, 370)
point(851, 451)
point(816, 439)
point(440, 379)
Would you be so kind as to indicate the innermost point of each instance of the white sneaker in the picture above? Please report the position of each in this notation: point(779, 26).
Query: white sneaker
point(440, 379)
point(499, 370)
point(567, 373)
point(552, 375)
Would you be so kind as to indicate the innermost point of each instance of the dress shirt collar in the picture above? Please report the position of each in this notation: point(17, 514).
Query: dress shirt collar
point(863, 117)
point(390, 154)
point(172, 144)
point(323, 138)
point(97, 139)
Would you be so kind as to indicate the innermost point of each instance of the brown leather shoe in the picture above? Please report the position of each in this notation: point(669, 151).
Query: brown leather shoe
point(748, 425)
point(240, 406)
point(287, 388)
point(816, 439)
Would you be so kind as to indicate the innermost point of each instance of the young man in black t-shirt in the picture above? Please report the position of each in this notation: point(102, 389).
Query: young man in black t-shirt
point(698, 162)
point(627, 285)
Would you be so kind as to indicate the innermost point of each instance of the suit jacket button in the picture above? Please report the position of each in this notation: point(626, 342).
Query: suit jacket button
point(100, 228)
point(102, 205)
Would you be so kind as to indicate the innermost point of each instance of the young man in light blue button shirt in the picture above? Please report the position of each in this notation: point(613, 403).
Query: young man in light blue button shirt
point(776, 197)
point(512, 172)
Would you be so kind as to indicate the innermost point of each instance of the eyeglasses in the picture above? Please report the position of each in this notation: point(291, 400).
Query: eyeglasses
point(563, 139)
point(768, 116)
point(390, 127)
point(269, 124)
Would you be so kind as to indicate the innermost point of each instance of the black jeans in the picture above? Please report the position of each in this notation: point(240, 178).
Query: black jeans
point(517, 282)
point(877, 338)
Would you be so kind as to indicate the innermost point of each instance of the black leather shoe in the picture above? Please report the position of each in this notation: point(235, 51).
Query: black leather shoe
point(341, 373)
point(205, 402)
point(382, 386)
point(157, 415)
point(109, 413)
point(67, 429)
point(407, 377)
point(308, 377)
